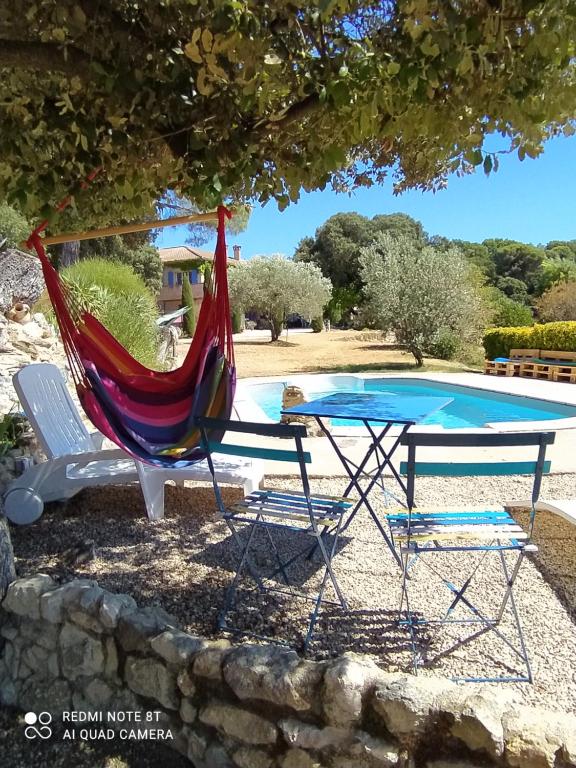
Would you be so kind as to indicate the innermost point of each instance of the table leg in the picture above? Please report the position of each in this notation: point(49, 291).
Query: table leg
point(375, 446)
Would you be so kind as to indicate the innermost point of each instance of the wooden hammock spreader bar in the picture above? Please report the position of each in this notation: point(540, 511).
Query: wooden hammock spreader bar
point(126, 229)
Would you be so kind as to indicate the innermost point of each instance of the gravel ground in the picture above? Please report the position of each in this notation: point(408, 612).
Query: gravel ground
point(186, 561)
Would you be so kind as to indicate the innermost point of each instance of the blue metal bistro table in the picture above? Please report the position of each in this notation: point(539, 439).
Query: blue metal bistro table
point(378, 413)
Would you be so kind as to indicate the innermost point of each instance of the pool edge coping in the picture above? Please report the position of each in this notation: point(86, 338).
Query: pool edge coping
point(551, 425)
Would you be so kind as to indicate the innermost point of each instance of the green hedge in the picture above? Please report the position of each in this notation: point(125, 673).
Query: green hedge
point(549, 336)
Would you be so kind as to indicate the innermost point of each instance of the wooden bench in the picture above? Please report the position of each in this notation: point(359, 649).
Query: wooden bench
point(510, 366)
point(552, 365)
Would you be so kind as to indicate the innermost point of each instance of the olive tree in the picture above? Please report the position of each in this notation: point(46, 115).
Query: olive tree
point(421, 293)
point(275, 286)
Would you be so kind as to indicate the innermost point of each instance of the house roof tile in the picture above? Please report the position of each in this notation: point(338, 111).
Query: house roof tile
point(184, 253)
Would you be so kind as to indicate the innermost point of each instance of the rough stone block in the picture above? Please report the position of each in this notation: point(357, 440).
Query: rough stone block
point(45, 696)
point(186, 682)
point(111, 653)
point(86, 621)
point(123, 701)
point(8, 692)
point(298, 758)
point(113, 607)
point(208, 663)
point(135, 629)
point(406, 703)
point(217, 757)
point(307, 736)
point(271, 673)
point(47, 635)
point(381, 753)
point(98, 693)
point(238, 723)
point(197, 744)
point(150, 678)
point(347, 682)
point(54, 604)
point(188, 711)
point(12, 653)
point(23, 595)
point(38, 632)
point(81, 653)
point(84, 608)
point(248, 757)
point(177, 647)
point(36, 658)
point(7, 630)
point(53, 664)
point(535, 737)
point(478, 722)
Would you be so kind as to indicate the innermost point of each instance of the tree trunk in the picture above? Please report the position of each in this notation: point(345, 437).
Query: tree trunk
point(68, 253)
point(276, 327)
point(417, 352)
point(7, 568)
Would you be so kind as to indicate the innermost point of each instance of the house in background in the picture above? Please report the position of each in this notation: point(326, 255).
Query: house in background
point(175, 262)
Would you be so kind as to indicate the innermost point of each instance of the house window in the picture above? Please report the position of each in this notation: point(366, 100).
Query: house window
point(170, 279)
point(178, 278)
point(193, 276)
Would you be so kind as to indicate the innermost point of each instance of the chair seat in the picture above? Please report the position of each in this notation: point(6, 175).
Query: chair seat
point(438, 524)
point(277, 507)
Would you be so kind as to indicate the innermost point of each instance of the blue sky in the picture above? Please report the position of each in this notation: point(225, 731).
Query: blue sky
point(532, 201)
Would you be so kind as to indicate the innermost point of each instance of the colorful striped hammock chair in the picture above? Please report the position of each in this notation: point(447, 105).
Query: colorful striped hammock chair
point(150, 414)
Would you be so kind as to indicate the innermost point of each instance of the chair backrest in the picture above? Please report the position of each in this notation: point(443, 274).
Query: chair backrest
point(42, 390)
point(296, 432)
point(524, 353)
point(558, 355)
point(413, 468)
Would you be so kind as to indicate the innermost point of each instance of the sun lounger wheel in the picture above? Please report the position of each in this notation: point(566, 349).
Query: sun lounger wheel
point(23, 506)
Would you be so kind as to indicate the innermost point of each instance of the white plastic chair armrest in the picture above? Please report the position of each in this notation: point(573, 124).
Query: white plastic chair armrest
point(81, 459)
point(97, 440)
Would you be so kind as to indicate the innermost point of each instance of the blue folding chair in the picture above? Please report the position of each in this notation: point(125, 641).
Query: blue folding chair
point(274, 510)
point(424, 533)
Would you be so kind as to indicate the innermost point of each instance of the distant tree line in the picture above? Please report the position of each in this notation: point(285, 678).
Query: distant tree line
point(515, 274)
point(437, 294)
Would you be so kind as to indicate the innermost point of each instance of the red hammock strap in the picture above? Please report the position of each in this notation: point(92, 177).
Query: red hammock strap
point(221, 285)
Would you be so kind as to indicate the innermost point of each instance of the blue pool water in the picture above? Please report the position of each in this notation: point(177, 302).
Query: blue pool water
point(470, 407)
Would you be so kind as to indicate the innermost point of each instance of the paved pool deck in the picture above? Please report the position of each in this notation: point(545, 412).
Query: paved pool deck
point(326, 464)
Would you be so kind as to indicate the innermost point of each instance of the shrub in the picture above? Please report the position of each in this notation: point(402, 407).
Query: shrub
point(317, 324)
point(548, 336)
point(237, 320)
point(121, 301)
point(508, 312)
point(445, 345)
point(189, 319)
point(560, 336)
point(15, 430)
point(14, 228)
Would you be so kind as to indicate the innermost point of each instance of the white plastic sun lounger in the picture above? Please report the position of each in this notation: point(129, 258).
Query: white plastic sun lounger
point(76, 459)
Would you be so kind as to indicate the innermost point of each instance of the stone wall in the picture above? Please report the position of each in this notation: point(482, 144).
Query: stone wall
point(79, 647)
point(22, 278)
point(35, 341)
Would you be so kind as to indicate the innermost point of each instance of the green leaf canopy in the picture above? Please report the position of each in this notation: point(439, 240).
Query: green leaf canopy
point(259, 100)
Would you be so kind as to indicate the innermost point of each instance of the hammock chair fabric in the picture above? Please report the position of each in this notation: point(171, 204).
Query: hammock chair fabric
point(150, 414)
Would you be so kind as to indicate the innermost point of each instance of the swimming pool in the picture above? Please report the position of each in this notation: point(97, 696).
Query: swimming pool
point(471, 407)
